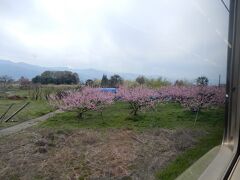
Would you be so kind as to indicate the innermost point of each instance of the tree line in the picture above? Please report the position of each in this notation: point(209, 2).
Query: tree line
point(57, 77)
point(68, 77)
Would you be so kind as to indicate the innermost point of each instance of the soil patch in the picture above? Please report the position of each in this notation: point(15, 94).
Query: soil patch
point(16, 97)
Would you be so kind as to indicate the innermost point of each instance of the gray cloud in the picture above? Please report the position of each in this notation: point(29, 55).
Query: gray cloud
point(175, 39)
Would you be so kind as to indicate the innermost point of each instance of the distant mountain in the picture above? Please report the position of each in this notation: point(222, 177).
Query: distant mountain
point(16, 70)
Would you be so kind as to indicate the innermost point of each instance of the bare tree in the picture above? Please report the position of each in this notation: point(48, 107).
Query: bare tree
point(24, 82)
point(5, 80)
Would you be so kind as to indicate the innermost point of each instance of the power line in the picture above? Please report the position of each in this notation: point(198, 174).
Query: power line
point(225, 5)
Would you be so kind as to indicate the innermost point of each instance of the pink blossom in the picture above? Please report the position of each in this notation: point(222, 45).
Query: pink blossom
point(83, 100)
point(194, 97)
point(139, 98)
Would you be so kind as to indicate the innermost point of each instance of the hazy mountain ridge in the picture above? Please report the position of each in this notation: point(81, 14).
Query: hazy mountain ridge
point(16, 70)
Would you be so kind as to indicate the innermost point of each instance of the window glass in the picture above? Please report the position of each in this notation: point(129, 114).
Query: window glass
point(113, 89)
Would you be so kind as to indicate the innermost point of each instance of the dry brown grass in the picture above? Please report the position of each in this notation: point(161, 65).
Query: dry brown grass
point(90, 154)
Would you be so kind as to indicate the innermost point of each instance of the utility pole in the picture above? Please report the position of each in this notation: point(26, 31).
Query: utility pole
point(219, 80)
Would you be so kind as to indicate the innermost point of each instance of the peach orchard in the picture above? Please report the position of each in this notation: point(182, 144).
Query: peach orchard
point(192, 98)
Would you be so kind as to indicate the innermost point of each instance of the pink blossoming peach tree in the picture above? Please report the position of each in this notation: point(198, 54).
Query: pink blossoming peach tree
point(194, 98)
point(82, 100)
point(139, 98)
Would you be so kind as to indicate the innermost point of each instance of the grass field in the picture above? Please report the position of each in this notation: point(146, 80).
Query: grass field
point(168, 116)
point(33, 110)
point(157, 128)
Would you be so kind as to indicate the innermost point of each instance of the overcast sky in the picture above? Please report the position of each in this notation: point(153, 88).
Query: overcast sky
point(171, 38)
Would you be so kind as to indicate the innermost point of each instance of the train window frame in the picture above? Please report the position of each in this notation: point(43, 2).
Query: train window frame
point(226, 163)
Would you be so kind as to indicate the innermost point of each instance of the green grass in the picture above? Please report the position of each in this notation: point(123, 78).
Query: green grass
point(171, 116)
point(33, 110)
point(13, 91)
point(185, 160)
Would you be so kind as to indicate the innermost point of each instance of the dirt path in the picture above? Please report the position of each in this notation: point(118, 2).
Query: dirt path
point(26, 124)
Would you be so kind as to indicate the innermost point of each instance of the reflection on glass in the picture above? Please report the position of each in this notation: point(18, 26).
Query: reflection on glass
point(128, 89)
